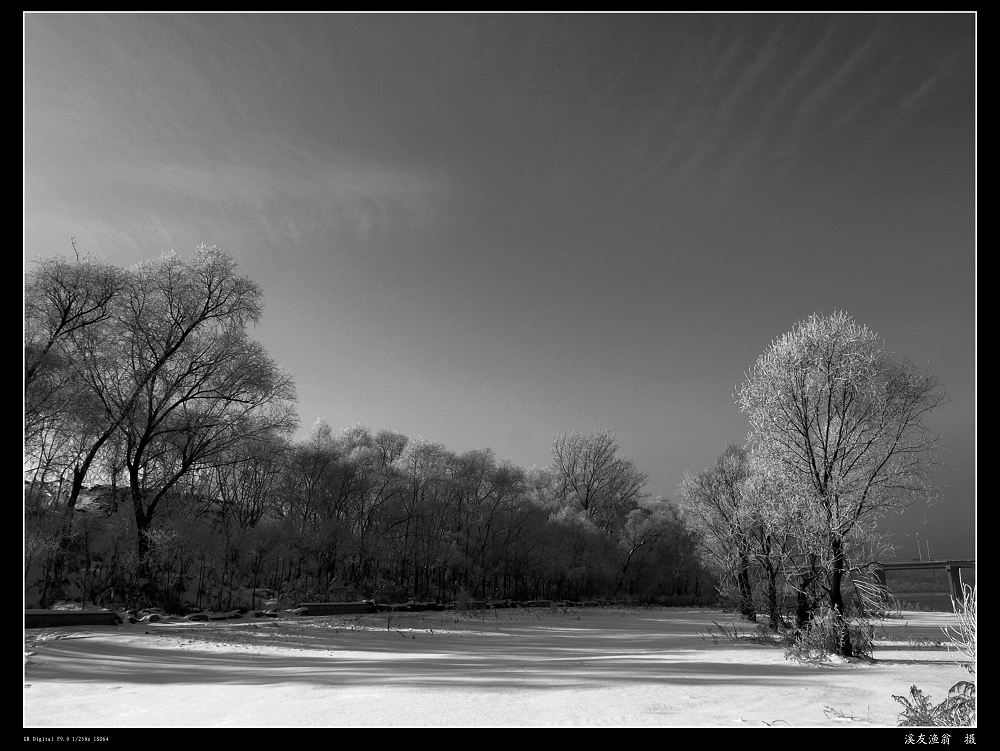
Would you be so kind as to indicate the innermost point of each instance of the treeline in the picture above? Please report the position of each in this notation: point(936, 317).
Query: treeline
point(160, 470)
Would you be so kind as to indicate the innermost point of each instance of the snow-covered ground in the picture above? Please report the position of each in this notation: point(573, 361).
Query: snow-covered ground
point(582, 667)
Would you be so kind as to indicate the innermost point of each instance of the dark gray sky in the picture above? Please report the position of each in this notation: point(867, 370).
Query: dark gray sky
point(488, 229)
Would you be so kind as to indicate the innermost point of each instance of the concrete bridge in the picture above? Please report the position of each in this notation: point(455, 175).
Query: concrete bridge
point(951, 565)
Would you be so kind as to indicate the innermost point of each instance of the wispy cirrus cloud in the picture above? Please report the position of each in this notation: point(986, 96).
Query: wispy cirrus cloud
point(923, 89)
point(744, 93)
point(303, 191)
point(284, 191)
point(830, 89)
point(759, 144)
point(204, 127)
point(770, 100)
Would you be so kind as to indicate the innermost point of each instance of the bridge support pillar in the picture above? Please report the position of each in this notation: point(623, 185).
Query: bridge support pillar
point(955, 579)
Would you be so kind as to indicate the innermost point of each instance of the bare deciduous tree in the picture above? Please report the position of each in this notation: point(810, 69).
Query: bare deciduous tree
point(593, 478)
point(714, 501)
point(160, 366)
point(842, 422)
point(62, 297)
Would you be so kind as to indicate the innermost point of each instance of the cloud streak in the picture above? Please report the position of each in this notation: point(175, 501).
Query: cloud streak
point(916, 97)
point(771, 99)
point(287, 191)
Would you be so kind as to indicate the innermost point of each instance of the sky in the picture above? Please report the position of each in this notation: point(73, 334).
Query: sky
point(488, 229)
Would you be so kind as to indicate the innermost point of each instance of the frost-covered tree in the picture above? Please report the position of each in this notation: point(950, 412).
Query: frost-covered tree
point(842, 423)
point(62, 299)
point(716, 505)
point(148, 370)
point(594, 479)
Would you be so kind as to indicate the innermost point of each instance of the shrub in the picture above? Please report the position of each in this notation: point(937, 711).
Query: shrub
point(823, 636)
point(962, 637)
point(959, 709)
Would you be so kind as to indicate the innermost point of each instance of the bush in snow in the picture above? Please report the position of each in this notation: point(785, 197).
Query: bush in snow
point(959, 709)
point(823, 636)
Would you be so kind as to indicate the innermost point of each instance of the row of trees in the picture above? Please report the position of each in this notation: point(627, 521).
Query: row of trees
point(141, 376)
point(159, 463)
point(362, 514)
point(160, 468)
point(837, 440)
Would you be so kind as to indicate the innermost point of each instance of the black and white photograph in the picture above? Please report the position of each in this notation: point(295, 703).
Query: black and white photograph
point(499, 370)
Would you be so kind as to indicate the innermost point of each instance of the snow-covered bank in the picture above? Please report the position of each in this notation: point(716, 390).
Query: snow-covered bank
point(644, 667)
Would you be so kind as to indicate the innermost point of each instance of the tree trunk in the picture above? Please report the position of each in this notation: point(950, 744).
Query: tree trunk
point(253, 583)
point(803, 610)
point(837, 598)
point(747, 608)
point(772, 601)
point(201, 579)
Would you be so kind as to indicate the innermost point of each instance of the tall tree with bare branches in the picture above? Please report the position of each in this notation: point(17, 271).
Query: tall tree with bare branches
point(595, 479)
point(163, 373)
point(716, 505)
point(842, 422)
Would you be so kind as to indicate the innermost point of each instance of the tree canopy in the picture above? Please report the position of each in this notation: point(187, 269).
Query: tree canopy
point(840, 424)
